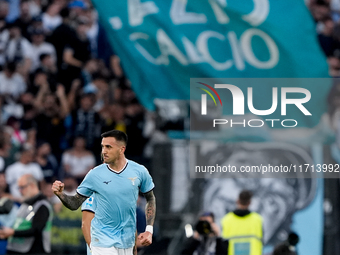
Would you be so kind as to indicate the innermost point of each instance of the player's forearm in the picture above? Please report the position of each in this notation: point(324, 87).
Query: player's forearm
point(87, 217)
point(86, 233)
point(71, 202)
point(150, 209)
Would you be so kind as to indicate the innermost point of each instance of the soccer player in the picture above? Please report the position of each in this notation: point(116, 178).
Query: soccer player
point(116, 184)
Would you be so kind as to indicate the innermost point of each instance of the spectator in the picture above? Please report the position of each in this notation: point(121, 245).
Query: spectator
point(100, 88)
point(36, 24)
point(206, 238)
point(135, 122)
point(51, 18)
point(4, 37)
point(242, 228)
point(4, 7)
point(25, 165)
point(39, 46)
point(319, 9)
point(114, 118)
point(325, 37)
point(87, 123)
point(76, 53)
point(47, 161)
point(28, 120)
point(48, 65)
point(62, 35)
point(32, 231)
point(35, 7)
point(19, 137)
point(93, 31)
point(91, 67)
point(41, 83)
point(25, 18)
point(18, 49)
point(53, 110)
point(11, 83)
point(74, 94)
point(76, 8)
point(78, 161)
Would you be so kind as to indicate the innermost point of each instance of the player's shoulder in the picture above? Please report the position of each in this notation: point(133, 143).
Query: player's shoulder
point(99, 167)
point(136, 166)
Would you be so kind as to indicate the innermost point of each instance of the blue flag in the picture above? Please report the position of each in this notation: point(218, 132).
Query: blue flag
point(162, 44)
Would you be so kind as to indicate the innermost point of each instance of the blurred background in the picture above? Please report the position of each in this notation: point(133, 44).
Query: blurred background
point(70, 70)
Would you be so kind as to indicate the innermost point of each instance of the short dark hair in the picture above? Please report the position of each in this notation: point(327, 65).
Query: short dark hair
point(119, 135)
point(245, 197)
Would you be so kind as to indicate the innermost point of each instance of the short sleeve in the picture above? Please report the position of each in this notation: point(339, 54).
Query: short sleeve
point(89, 204)
point(147, 182)
point(86, 187)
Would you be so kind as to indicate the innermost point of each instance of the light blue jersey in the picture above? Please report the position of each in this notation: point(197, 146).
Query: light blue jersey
point(116, 197)
point(89, 205)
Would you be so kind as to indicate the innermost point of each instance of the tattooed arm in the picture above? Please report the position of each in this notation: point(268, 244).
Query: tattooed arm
point(71, 202)
point(150, 213)
point(150, 209)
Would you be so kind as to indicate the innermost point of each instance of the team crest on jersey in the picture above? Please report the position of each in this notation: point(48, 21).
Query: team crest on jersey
point(132, 179)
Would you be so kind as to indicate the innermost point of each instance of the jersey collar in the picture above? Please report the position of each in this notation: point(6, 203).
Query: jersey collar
point(118, 172)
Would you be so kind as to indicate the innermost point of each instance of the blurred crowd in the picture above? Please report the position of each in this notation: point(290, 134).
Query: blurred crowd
point(61, 86)
point(326, 14)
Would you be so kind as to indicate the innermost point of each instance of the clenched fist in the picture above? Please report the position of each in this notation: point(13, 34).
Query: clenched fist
point(58, 187)
point(145, 239)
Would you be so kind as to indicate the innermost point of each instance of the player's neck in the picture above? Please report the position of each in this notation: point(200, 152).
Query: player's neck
point(119, 165)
